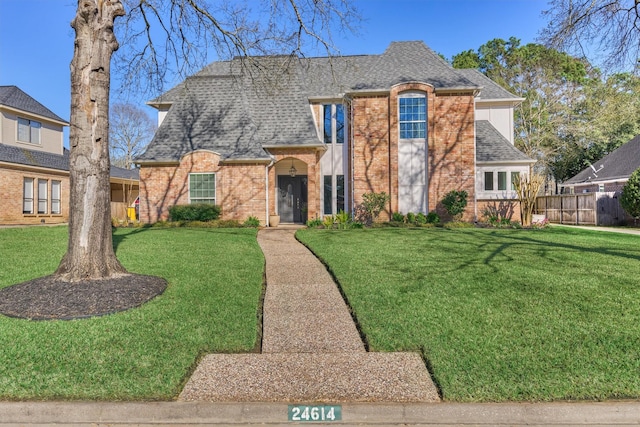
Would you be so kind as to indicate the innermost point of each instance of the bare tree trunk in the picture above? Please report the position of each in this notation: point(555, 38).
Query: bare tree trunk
point(90, 253)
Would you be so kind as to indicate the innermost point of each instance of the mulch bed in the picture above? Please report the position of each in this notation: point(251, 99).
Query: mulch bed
point(50, 298)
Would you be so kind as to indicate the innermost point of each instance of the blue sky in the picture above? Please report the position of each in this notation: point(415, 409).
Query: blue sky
point(36, 39)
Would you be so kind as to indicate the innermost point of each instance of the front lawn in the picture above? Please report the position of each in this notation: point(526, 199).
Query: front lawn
point(498, 314)
point(215, 281)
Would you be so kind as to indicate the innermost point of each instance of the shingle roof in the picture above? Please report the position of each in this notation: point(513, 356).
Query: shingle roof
point(22, 156)
point(490, 89)
point(492, 146)
point(619, 164)
point(14, 97)
point(222, 109)
point(42, 159)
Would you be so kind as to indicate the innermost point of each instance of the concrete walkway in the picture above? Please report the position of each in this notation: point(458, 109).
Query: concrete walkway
point(311, 349)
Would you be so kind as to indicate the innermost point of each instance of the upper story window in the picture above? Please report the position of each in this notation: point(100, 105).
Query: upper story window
point(202, 188)
point(29, 131)
point(413, 116)
point(333, 123)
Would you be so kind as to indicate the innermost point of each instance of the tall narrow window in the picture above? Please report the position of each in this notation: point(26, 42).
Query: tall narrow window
point(339, 124)
point(339, 193)
point(27, 196)
point(502, 181)
point(202, 188)
point(488, 181)
point(29, 131)
point(413, 117)
point(515, 176)
point(55, 197)
point(43, 200)
point(327, 124)
point(328, 195)
point(333, 123)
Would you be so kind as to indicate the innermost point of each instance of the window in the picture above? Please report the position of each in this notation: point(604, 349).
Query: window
point(328, 194)
point(202, 188)
point(502, 181)
point(488, 181)
point(29, 131)
point(515, 176)
point(413, 116)
point(43, 201)
point(333, 123)
point(55, 197)
point(339, 193)
point(27, 196)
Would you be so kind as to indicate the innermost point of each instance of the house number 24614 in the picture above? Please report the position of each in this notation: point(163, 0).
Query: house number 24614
point(314, 413)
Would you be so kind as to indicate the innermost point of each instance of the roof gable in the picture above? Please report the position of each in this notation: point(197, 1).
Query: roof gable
point(619, 164)
point(493, 147)
point(14, 97)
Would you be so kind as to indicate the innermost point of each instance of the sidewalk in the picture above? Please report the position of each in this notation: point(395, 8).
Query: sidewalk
point(311, 349)
point(182, 414)
point(622, 230)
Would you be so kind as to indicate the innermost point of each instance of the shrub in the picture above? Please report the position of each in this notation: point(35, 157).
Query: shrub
point(194, 212)
point(455, 202)
point(630, 198)
point(372, 204)
point(433, 217)
point(252, 221)
point(397, 217)
point(411, 218)
point(328, 221)
point(421, 218)
point(314, 223)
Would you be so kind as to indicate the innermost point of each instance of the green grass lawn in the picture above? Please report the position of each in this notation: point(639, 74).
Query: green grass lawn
point(498, 314)
point(215, 281)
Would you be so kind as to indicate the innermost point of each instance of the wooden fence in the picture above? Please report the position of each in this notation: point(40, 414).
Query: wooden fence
point(582, 209)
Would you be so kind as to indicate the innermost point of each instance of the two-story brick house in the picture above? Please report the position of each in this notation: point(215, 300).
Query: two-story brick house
point(34, 164)
point(308, 137)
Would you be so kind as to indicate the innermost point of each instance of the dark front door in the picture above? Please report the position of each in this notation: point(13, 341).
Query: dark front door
point(292, 198)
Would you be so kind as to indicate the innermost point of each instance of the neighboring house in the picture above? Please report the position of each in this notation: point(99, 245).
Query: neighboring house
point(34, 165)
point(610, 173)
point(308, 137)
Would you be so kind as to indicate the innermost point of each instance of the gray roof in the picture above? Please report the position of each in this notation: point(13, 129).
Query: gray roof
point(490, 89)
point(14, 97)
point(22, 156)
point(492, 146)
point(617, 165)
point(227, 109)
point(42, 159)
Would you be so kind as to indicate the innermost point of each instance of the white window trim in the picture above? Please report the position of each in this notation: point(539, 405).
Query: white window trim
point(30, 130)
point(414, 94)
point(495, 193)
point(215, 183)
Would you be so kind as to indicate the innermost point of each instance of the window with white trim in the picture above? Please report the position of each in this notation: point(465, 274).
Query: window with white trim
point(27, 196)
point(29, 131)
point(501, 181)
point(43, 196)
point(333, 124)
point(55, 197)
point(202, 188)
point(412, 116)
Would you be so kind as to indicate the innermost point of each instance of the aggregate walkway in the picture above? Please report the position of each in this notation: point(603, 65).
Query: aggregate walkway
point(311, 348)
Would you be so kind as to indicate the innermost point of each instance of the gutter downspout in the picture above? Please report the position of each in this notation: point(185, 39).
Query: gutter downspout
point(475, 168)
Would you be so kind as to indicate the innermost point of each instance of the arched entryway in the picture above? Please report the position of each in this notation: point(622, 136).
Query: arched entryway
point(292, 191)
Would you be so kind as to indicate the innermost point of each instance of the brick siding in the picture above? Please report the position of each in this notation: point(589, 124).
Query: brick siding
point(240, 188)
point(11, 197)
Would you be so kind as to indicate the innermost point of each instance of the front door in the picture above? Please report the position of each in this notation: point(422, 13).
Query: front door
point(292, 198)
